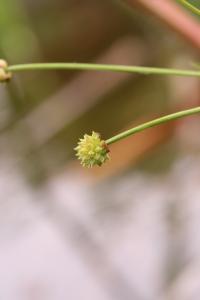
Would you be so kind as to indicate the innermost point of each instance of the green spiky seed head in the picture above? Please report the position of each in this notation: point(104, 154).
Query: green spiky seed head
point(92, 150)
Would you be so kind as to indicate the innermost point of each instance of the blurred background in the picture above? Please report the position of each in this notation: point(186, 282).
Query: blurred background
point(127, 230)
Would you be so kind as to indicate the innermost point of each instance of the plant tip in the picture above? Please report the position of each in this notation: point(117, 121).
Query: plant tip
point(92, 150)
point(5, 75)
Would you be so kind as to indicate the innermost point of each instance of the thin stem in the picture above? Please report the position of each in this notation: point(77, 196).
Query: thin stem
point(102, 67)
point(153, 123)
point(190, 7)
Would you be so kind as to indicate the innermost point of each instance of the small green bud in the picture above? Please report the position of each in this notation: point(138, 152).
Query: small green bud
point(4, 74)
point(92, 151)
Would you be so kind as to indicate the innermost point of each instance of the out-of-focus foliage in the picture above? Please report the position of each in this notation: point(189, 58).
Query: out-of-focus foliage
point(46, 112)
point(112, 233)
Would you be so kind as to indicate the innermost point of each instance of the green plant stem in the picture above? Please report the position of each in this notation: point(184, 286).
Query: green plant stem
point(153, 123)
point(102, 67)
point(190, 7)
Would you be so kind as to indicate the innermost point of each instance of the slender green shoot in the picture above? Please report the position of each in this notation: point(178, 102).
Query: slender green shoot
point(155, 122)
point(103, 67)
point(191, 7)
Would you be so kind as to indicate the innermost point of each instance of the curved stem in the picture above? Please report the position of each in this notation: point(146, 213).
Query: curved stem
point(153, 123)
point(190, 7)
point(103, 67)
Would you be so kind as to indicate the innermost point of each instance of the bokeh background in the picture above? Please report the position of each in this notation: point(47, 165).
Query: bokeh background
point(127, 230)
